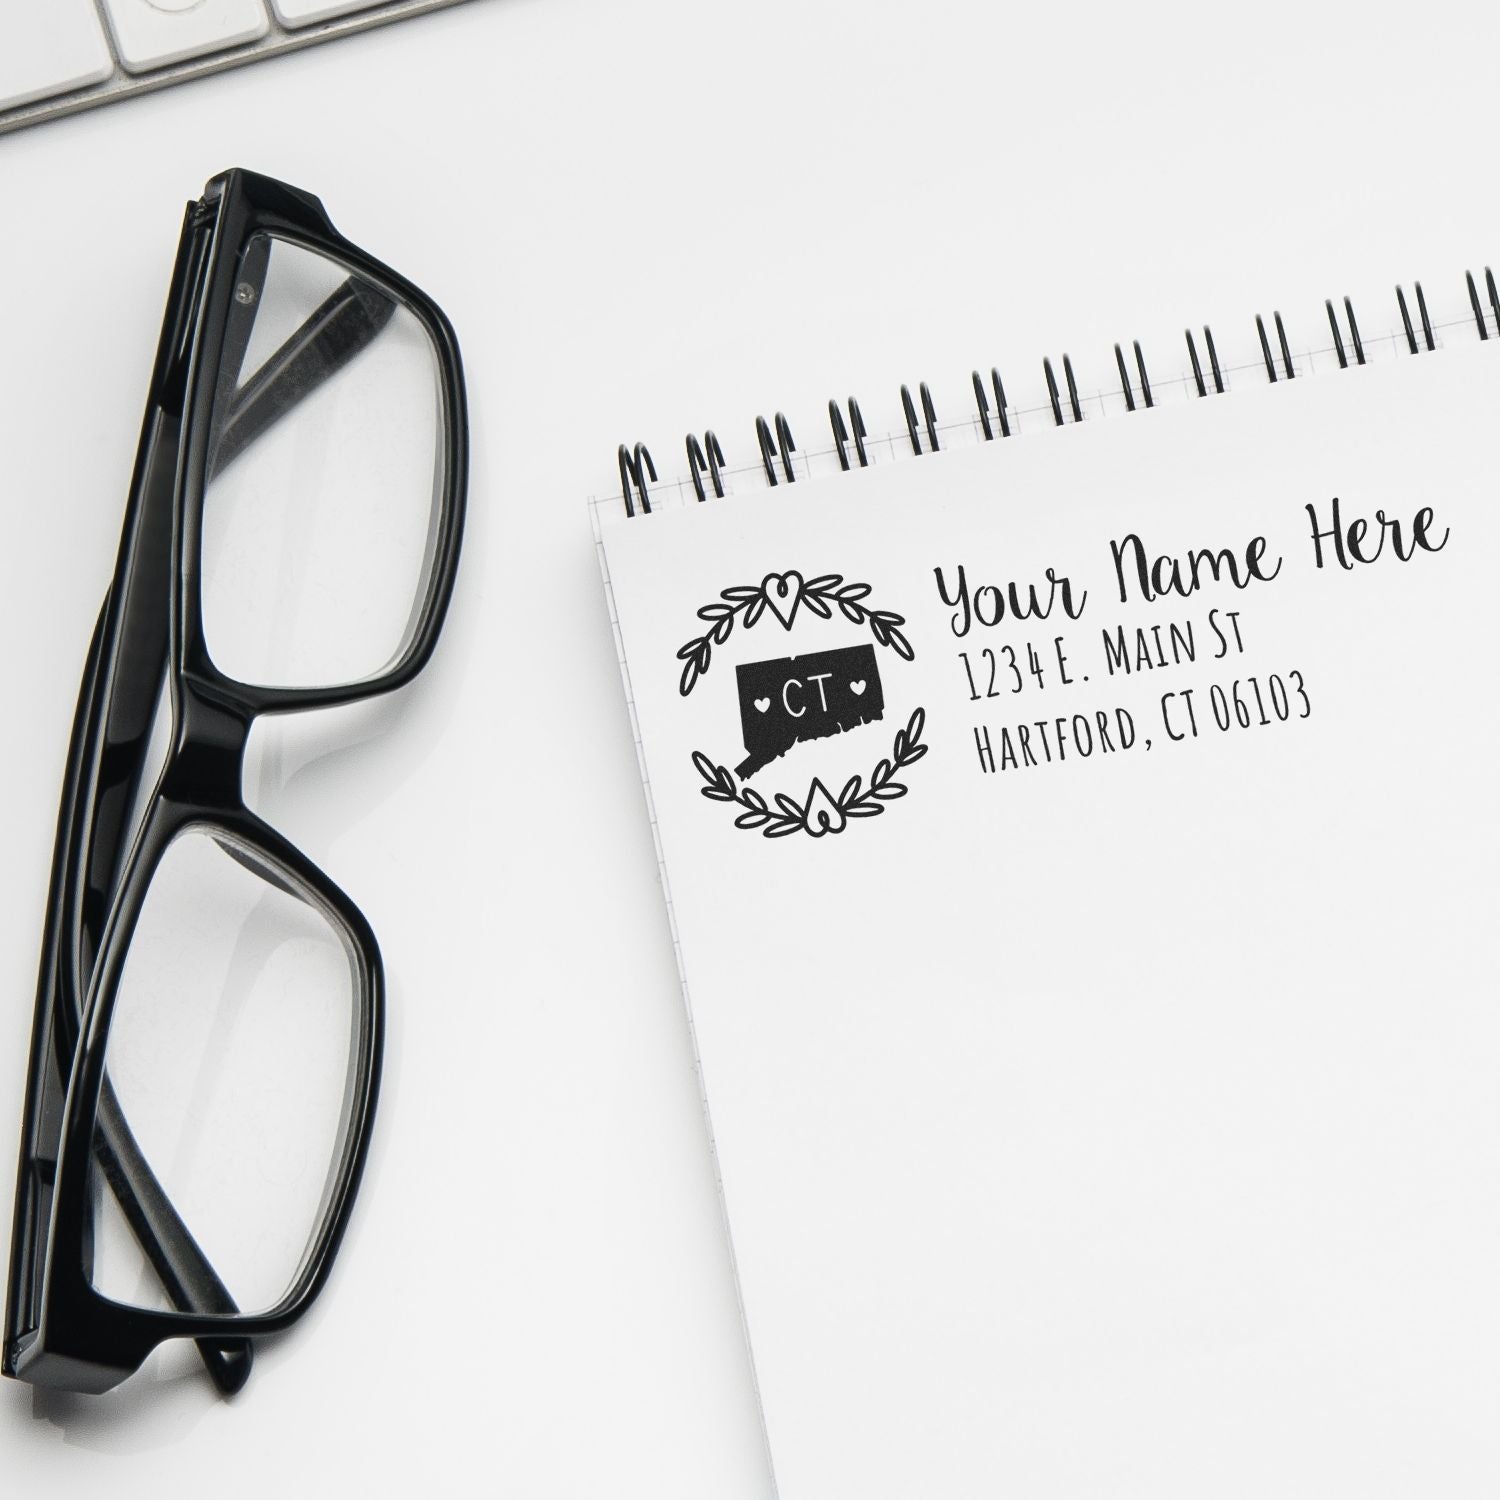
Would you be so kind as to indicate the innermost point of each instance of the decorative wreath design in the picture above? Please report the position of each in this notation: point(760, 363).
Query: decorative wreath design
point(784, 594)
point(821, 813)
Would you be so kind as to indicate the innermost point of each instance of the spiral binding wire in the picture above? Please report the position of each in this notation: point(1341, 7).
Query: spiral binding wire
point(1265, 347)
point(1411, 338)
point(841, 433)
point(1354, 338)
point(770, 446)
point(1140, 364)
point(634, 466)
point(994, 416)
point(1213, 359)
point(712, 465)
point(929, 416)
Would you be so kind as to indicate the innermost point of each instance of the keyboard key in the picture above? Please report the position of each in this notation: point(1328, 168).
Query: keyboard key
point(48, 47)
point(152, 33)
point(305, 12)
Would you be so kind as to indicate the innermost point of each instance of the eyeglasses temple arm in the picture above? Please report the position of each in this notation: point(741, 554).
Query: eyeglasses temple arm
point(185, 1272)
point(345, 324)
point(176, 1257)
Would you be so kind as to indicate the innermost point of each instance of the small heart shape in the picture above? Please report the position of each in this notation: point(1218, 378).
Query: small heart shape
point(822, 814)
point(857, 687)
point(762, 704)
point(783, 593)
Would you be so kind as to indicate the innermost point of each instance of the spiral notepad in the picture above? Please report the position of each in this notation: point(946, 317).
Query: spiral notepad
point(1078, 826)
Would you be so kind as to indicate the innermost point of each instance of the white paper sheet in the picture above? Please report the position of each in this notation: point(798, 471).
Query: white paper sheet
point(1126, 1123)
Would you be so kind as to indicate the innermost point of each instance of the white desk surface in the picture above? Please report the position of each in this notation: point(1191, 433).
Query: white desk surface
point(641, 219)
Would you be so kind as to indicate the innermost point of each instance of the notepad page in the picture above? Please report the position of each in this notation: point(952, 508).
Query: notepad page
point(1105, 1084)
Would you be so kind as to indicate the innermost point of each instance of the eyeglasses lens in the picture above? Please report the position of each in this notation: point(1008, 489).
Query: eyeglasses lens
point(325, 473)
point(229, 1067)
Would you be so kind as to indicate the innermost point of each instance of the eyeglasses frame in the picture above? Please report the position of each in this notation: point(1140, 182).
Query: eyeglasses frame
point(60, 1331)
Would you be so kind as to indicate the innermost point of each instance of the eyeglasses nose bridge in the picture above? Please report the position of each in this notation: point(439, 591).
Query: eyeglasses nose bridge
point(208, 748)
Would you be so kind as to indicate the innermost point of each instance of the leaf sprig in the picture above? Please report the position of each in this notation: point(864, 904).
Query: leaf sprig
point(857, 800)
point(883, 787)
point(821, 595)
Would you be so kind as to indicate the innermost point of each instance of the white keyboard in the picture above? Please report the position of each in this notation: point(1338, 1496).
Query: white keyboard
point(57, 56)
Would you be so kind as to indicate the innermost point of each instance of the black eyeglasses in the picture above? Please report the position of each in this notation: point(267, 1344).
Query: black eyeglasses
point(206, 1046)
